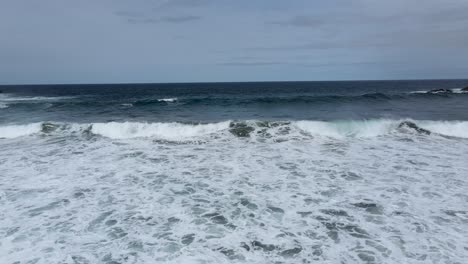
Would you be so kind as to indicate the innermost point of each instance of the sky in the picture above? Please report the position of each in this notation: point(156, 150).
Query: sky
point(134, 41)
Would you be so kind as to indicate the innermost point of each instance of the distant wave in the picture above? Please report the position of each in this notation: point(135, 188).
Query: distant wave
point(224, 100)
point(281, 100)
point(19, 98)
point(3, 105)
point(168, 100)
point(452, 90)
point(182, 131)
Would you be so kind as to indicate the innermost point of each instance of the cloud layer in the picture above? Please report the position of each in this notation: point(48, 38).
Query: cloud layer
point(67, 41)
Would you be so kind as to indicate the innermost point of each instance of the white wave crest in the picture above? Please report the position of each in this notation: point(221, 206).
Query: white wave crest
point(167, 100)
point(447, 128)
point(15, 98)
point(181, 132)
point(165, 131)
point(453, 90)
point(14, 131)
point(342, 129)
point(2, 105)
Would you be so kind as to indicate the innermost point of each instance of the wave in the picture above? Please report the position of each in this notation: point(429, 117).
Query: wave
point(16, 98)
point(165, 131)
point(259, 129)
point(14, 131)
point(3, 105)
point(168, 100)
point(441, 91)
point(342, 129)
point(225, 100)
point(293, 99)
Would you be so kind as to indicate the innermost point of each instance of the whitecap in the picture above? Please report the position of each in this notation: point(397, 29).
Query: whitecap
point(343, 129)
point(167, 100)
point(447, 128)
point(14, 131)
point(165, 131)
point(16, 98)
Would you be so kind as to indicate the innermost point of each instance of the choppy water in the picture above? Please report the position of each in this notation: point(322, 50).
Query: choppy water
point(358, 172)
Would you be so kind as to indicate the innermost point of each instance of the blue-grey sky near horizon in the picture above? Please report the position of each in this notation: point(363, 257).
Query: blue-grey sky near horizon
point(112, 41)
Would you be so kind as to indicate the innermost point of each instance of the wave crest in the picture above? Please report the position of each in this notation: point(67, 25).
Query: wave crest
point(165, 131)
point(14, 131)
point(282, 130)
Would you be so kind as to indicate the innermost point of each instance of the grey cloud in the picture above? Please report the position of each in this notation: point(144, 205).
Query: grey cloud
point(447, 15)
point(185, 3)
point(323, 46)
point(302, 64)
point(180, 19)
point(166, 19)
point(301, 21)
point(128, 14)
point(252, 63)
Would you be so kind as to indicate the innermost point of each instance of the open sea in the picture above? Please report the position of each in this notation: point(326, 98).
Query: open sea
point(283, 172)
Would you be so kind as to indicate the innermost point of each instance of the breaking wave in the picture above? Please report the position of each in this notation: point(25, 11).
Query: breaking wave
point(441, 91)
point(16, 98)
point(168, 100)
point(183, 131)
point(166, 131)
point(14, 131)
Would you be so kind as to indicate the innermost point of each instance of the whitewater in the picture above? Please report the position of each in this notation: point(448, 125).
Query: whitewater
point(211, 175)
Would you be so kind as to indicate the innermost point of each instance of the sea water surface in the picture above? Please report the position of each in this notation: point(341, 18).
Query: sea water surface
point(289, 172)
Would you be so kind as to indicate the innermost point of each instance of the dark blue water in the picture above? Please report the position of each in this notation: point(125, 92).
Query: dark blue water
point(206, 102)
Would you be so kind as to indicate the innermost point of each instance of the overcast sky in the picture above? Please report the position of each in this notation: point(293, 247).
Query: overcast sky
point(111, 41)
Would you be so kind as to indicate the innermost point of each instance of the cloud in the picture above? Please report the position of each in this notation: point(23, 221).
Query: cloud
point(301, 21)
point(270, 38)
point(166, 19)
point(180, 19)
point(189, 3)
point(301, 64)
point(252, 63)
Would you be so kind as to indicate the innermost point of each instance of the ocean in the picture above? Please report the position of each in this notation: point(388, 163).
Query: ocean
point(282, 172)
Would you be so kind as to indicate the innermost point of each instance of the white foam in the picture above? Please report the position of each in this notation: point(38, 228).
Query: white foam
point(2, 105)
point(15, 98)
point(165, 131)
point(447, 128)
point(342, 129)
point(14, 131)
point(168, 100)
point(458, 90)
point(150, 202)
point(454, 90)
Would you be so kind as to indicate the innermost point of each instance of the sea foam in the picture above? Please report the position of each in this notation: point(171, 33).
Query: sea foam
point(173, 131)
point(14, 131)
point(165, 131)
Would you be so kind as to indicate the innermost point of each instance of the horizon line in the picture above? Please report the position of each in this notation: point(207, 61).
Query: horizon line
point(226, 82)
